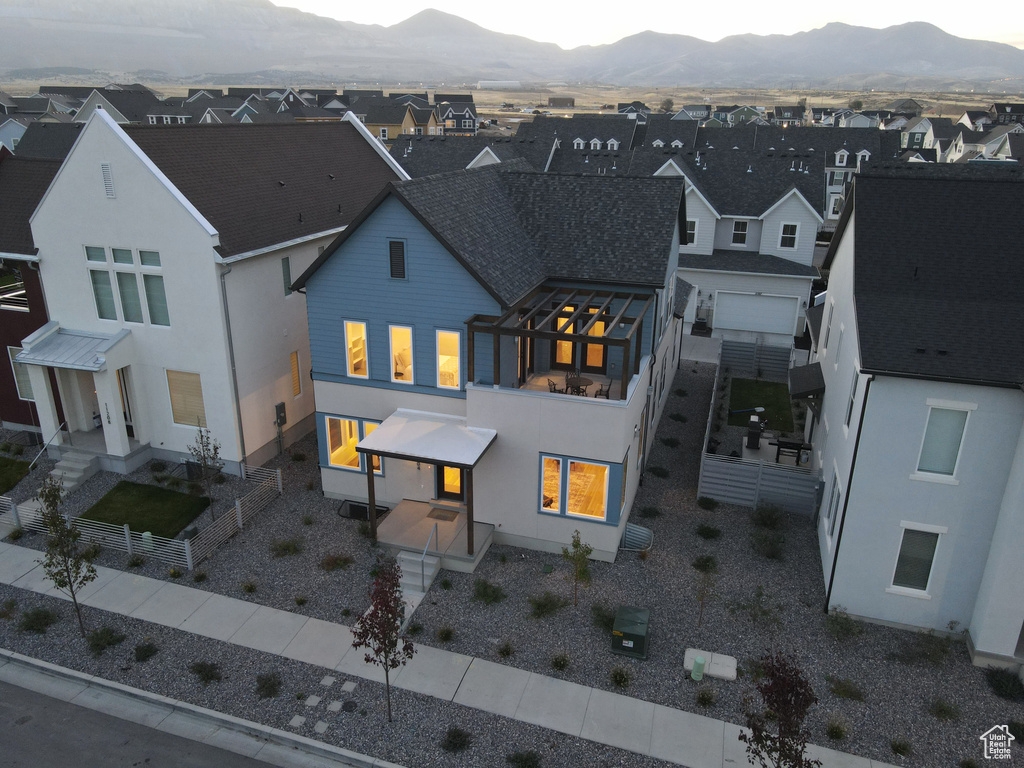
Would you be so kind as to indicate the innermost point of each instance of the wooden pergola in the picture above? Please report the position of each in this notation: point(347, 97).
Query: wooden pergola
point(541, 315)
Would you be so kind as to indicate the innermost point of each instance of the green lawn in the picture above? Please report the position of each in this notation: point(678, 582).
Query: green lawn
point(11, 472)
point(160, 511)
point(771, 395)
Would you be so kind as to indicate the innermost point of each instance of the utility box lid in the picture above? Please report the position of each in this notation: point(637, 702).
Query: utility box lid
point(629, 632)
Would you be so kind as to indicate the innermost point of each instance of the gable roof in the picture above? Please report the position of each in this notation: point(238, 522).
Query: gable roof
point(22, 185)
point(429, 155)
point(310, 178)
point(913, 257)
point(48, 141)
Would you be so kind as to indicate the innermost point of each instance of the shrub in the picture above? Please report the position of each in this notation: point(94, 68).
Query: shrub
point(363, 529)
point(926, 648)
point(311, 485)
point(705, 564)
point(91, 552)
point(248, 587)
point(136, 561)
point(706, 502)
point(199, 577)
point(415, 629)
point(560, 662)
point(836, 729)
point(17, 450)
point(144, 651)
point(658, 471)
point(15, 534)
point(844, 688)
point(487, 593)
point(298, 456)
point(1016, 729)
point(503, 558)
point(620, 677)
point(969, 762)
point(445, 634)
point(195, 488)
point(1005, 684)
point(678, 417)
point(307, 519)
point(768, 516)
point(8, 608)
point(706, 697)
point(456, 740)
point(680, 392)
point(346, 612)
point(505, 650)
point(649, 513)
point(942, 710)
point(300, 600)
point(336, 561)
point(5, 447)
point(546, 604)
point(767, 543)
point(159, 477)
point(220, 478)
point(708, 532)
point(901, 747)
point(758, 609)
point(101, 639)
point(528, 759)
point(157, 466)
point(175, 573)
point(206, 671)
point(839, 624)
point(37, 620)
point(268, 685)
point(446, 583)
point(285, 547)
point(174, 482)
point(670, 442)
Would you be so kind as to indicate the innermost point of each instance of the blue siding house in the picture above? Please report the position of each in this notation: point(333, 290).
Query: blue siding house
point(491, 351)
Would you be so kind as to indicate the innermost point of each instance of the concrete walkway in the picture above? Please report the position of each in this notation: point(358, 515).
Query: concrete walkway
point(608, 718)
point(702, 349)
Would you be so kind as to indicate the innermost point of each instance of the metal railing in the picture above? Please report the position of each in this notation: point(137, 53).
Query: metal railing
point(423, 557)
point(47, 443)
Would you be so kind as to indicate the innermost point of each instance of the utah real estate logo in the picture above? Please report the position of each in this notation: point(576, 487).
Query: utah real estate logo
point(997, 742)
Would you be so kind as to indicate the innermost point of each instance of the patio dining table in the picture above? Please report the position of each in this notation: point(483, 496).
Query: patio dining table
point(577, 385)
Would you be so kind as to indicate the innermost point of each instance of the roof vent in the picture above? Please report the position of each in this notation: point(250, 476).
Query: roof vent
point(280, 183)
point(108, 179)
point(331, 175)
point(920, 350)
point(750, 169)
point(300, 215)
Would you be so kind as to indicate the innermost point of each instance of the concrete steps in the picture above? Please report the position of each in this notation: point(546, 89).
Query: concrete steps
point(415, 583)
point(75, 468)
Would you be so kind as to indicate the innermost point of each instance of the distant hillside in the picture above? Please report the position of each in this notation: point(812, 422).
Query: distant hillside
point(212, 38)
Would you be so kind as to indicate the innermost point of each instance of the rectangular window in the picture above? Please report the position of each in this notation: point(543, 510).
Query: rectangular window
point(942, 438)
point(131, 303)
point(122, 256)
point(355, 344)
point(788, 238)
point(914, 564)
point(286, 275)
point(296, 377)
point(342, 438)
point(448, 374)
point(384, 133)
point(21, 379)
point(691, 231)
point(156, 300)
point(368, 427)
point(739, 233)
point(467, 123)
point(853, 396)
point(103, 294)
point(396, 259)
point(401, 354)
point(839, 345)
point(587, 495)
point(186, 391)
point(832, 513)
point(551, 484)
point(95, 253)
point(449, 483)
point(828, 326)
point(149, 258)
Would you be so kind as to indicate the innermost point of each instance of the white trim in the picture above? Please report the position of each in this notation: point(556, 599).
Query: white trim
point(437, 359)
point(924, 527)
point(686, 232)
point(932, 477)
point(941, 477)
point(278, 246)
point(685, 268)
point(953, 405)
point(483, 153)
point(670, 163)
point(923, 594)
point(796, 235)
point(350, 117)
point(540, 495)
point(781, 200)
point(690, 185)
point(11, 354)
point(906, 591)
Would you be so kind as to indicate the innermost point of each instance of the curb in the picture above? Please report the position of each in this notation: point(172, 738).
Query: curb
point(226, 722)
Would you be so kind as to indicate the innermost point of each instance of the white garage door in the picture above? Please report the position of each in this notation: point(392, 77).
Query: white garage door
point(761, 314)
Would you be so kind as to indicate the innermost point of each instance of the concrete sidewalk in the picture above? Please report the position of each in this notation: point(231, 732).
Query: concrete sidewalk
point(608, 718)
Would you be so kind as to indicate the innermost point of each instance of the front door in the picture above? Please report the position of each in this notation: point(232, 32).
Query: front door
point(449, 483)
point(594, 358)
point(126, 403)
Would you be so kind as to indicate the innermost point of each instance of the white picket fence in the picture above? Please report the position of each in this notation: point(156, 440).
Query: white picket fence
point(185, 553)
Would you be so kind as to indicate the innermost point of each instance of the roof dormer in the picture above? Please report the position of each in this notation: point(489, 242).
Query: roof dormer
point(677, 144)
point(612, 144)
point(658, 143)
point(595, 143)
point(579, 144)
point(841, 157)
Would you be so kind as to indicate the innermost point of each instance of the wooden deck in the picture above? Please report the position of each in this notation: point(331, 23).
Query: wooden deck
point(538, 382)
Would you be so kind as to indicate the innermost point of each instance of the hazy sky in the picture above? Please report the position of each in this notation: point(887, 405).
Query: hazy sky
point(573, 24)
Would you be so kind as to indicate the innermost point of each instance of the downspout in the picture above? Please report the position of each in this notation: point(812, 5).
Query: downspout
point(231, 358)
point(849, 489)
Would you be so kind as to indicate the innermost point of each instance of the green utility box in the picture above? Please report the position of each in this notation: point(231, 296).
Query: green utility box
point(629, 633)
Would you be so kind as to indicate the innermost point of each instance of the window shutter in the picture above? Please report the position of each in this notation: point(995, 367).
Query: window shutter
point(915, 561)
point(396, 254)
point(186, 392)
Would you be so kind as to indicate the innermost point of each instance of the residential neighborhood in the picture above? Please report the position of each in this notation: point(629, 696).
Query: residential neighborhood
point(356, 424)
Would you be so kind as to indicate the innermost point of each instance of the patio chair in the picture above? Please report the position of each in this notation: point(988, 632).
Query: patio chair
point(603, 390)
point(552, 387)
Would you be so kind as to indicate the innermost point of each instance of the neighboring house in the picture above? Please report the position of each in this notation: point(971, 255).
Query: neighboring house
point(48, 141)
point(919, 436)
point(475, 289)
point(386, 119)
point(124, 105)
point(424, 120)
point(741, 114)
point(910, 107)
point(787, 116)
point(693, 112)
point(172, 253)
point(975, 120)
point(1003, 113)
point(12, 129)
point(458, 118)
point(858, 120)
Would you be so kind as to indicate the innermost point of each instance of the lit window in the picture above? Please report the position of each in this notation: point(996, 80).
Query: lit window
point(296, 377)
point(739, 233)
point(914, 564)
point(588, 490)
point(593, 356)
point(342, 437)
point(401, 354)
point(448, 374)
point(186, 392)
point(449, 483)
point(788, 239)
point(355, 344)
point(942, 438)
point(551, 485)
point(691, 231)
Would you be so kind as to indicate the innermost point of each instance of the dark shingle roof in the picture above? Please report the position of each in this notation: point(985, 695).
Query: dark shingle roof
point(134, 105)
point(741, 261)
point(48, 141)
point(22, 185)
point(429, 155)
point(382, 111)
point(310, 177)
point(682, 297)
point(916, 265)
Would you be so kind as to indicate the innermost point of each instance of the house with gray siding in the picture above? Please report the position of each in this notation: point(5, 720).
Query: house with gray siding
point(499, 344)
point(917, 425)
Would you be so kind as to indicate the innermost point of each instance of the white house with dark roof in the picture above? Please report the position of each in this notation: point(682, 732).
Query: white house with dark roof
point(166, 256)
point(917, 423)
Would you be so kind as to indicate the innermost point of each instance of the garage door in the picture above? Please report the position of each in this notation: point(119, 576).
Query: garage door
point(750, 312)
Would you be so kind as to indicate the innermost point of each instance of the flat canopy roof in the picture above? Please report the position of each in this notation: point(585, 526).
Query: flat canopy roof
point(806, 381)
point(59, 347)
point(435, 438)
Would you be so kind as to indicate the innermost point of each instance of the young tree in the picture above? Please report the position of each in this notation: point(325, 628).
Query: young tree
point(379, 629)
point(63, 561)
point(579, 559)
point(206, 454)
point(705, 593)
point(786, 693)
point(667, 105)
point(856, 105)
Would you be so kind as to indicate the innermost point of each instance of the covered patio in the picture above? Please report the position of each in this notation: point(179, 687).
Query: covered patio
point(444, 527)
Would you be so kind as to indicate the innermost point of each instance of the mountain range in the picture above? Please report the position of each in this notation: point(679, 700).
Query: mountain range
point(250, 40)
